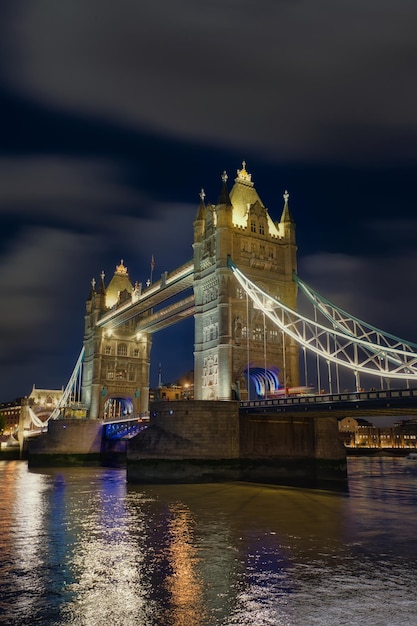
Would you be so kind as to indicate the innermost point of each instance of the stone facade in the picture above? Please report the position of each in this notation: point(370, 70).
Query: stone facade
point(232, 337)
point(116, 362)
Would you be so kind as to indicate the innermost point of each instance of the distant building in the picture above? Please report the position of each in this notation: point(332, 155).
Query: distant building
point(353, 429)
point(406, 433)
point(41, 401)
point(359, 433)
point(44, 401)
point(10, 412)
point(172, 392)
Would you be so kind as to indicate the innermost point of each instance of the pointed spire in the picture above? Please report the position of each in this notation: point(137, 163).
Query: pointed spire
point(102, 287)
point(201, 213)
point(286, 216)
point(224, 197)
point(92, 290)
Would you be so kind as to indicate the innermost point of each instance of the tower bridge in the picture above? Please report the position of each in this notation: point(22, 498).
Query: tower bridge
point(250, 342)
point(251, 348)
point(121, 317)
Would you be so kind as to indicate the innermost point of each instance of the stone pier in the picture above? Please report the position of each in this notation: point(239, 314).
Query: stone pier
point(204, 441)
point(67, 442)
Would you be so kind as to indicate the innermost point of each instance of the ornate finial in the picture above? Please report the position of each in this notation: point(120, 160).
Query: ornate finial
point(224, 177)
point(286, 196)
point(243, 175)
point(102, 275)
point(121, 269)
point(202, 195)
point(93, 283)
point(148, 282)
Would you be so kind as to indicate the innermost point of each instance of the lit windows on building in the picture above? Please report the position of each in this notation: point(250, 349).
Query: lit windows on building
point(258, 333)
point(273, 335)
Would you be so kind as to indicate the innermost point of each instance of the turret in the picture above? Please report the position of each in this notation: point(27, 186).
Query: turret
point(119, 283)
point(200, 220)
point(91, 297)
point(95, 303)
point(287, 221)
point(101, 293)
point(224, 210)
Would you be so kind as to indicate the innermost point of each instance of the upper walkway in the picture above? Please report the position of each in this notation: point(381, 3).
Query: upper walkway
point(170, 285)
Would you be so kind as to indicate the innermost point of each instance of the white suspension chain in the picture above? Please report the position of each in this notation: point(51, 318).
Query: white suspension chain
point(357, 353)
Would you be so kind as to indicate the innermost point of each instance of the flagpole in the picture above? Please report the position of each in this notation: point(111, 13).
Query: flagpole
point(152, 266)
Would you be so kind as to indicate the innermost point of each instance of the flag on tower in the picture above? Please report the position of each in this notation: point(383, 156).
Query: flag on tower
point(152, 263)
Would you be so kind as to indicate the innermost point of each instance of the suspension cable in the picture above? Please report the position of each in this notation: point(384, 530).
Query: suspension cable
point(392, 361)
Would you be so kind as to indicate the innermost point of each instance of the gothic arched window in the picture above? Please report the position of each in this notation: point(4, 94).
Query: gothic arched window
point(122, 349)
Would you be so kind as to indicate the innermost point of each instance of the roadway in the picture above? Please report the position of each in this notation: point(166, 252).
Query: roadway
point(362, 404)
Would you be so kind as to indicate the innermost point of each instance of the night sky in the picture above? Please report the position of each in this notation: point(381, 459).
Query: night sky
point(115, 115)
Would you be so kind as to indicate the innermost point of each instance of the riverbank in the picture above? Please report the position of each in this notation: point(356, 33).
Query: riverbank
point(10, 454)
point(397, 452)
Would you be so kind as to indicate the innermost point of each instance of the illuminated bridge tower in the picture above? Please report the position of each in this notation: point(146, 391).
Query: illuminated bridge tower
point(234, 343)
point(116, 362)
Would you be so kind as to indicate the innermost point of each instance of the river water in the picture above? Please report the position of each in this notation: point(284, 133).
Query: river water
point(80, 547)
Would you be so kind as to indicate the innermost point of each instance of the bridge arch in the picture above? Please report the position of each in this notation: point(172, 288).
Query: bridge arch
point(261, 381)
point(118, 405)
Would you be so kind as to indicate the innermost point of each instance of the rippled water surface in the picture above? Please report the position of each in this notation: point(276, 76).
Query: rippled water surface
point(81, 547)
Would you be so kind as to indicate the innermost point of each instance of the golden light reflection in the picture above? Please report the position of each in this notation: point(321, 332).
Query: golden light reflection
point(184, 583)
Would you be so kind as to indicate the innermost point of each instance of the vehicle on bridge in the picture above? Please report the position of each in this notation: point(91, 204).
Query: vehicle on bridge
point(291, 392)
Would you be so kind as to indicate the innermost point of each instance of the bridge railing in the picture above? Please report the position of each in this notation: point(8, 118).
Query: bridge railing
point(325, 398)
point(125, 428)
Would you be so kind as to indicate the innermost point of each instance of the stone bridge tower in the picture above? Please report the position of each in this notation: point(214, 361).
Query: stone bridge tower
point(116, 362)
point(234, 343)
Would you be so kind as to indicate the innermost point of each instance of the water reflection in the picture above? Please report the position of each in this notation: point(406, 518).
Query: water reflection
point(104, 561)
point(183, 582)
point(80, 547)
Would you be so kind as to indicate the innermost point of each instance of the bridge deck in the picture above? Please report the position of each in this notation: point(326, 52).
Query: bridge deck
point(372, 403)
point(124, 428)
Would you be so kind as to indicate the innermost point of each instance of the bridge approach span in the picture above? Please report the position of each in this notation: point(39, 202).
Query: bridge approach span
point(365, 403)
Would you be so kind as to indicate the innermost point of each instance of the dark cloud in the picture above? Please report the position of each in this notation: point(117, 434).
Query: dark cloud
point(116, 116)
point(47, 181)
point(71, 215)
point(285, 79)
point(378, 290)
